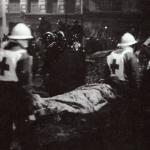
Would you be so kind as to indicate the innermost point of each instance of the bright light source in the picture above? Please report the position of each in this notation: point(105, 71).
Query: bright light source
point(39, 18)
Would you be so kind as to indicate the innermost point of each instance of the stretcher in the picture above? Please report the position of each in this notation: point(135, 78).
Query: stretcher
point(72, 115)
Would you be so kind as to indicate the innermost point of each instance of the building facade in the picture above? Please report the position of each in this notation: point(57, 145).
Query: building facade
point(93, 14)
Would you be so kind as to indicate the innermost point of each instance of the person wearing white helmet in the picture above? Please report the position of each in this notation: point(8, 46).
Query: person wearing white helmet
point(122, 73)
point(123, 64)
point(15, 88)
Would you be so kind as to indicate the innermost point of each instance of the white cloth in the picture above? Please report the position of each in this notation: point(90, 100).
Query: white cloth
point(116, 62)
point(85, 99)
point(8, 64)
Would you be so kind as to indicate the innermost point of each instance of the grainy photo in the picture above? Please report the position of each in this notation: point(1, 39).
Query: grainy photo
point(74, 75)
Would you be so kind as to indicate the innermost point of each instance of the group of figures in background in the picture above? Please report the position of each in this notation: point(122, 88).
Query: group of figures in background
point(59, 55)
point(59, 59)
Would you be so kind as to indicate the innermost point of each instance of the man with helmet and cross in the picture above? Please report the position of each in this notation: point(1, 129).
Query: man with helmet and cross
point(15, 89)
point(123, 75)
point(123, 69)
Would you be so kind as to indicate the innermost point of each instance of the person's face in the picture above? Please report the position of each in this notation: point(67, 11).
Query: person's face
point(24, 43)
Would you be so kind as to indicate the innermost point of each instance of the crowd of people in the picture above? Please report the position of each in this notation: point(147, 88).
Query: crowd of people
point(63, 65)
point(18, 54)
point(122, 73)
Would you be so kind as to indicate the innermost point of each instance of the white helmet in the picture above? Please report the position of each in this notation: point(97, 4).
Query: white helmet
point(126, 40)
point(21, 32)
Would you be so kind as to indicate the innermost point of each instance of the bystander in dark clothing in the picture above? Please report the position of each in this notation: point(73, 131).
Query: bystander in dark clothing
point(77, 30)
point(44, 25)
point(144, 93)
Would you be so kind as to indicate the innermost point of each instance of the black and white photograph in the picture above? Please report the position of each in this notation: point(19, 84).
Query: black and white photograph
point(74, 75)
